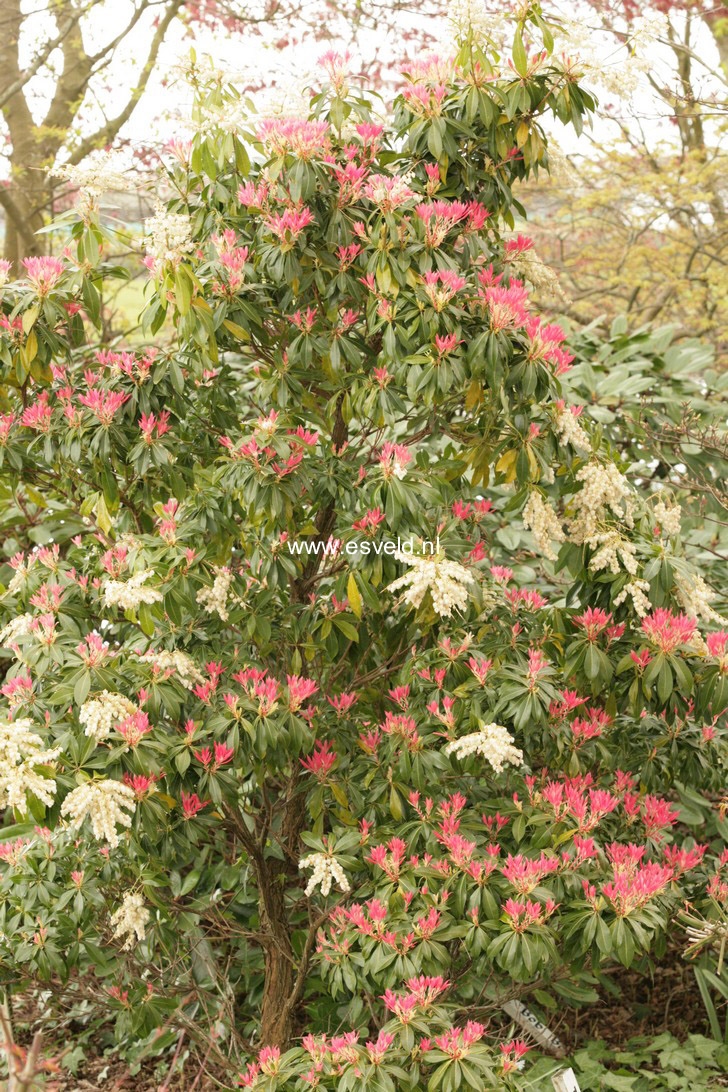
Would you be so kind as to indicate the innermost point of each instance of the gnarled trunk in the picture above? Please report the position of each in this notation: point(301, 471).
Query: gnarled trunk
point(280, 968)
point(285, 970)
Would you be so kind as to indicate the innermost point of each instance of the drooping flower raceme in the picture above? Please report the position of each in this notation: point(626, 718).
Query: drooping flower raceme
point(446, 581)
point(174, 663)
point(130, 919)
point(493, 741)
point(638, 590)
point(695, 598)
point(326, 869)
point(603, 488)
point(20, 626)
point(101, 714)
point(214, 599)
point(129, 594)
point(543, 523)
point(668, 517)
point(568, 428)
point(21, 750)
point(167, 237)
point(104, 802)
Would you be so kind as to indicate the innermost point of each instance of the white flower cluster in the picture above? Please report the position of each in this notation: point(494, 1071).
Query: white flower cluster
point(231, 117)
point(326, 869)
point(182, 665)
point(646, 30)
point(543, 523)
point(445, 580)
point(21, 750)
point(695, 596)
point(465, 16)
point(288, 97)
point(603, 488)
point(130, 919)
point(618, 70)
point(99, 173)
point(668, 517)
point(167, 236)
point(493, 741)
point(206, 69)
point(215, 598)
point(104, 803)
point(17, 580)
point(529, 265)
point(560, 166)
point(610, 546)
point(128, 594)
point(284, 91)
point(570, 431)
point(102, 713)
point(15, 629)
point(637, 590)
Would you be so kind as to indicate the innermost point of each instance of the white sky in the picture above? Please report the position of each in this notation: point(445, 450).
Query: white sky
point(159, 114)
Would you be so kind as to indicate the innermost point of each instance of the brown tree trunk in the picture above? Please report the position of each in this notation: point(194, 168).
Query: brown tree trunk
point(24, 198)
point(24, 218)
point(280, 967)
point(285, 970)
point(26, 201)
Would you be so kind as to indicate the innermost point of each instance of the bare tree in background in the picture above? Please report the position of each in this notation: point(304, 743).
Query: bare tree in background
point(32, 146)
point(640, 224)
point(75, 68)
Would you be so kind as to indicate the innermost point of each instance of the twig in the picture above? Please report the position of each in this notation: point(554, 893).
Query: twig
point(168, 1078)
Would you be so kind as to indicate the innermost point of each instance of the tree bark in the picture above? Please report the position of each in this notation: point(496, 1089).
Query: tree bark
point(277, 1015)
point(285, 970)
point(23, 200)
point(27, 200)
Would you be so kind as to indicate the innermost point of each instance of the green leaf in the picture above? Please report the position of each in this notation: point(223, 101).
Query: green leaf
point(82, 688)
point(664, 682)
point(146, 619)
point(395, 804)
point(592, 662)
point(520, 60)
point(240, 333)
point(29, 317)
point(182, 761)
point(346, 628)
point(434, 140)
point(102, 514)
point(183, 291)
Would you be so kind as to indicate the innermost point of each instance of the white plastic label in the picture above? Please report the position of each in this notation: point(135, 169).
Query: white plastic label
point(565, 1081)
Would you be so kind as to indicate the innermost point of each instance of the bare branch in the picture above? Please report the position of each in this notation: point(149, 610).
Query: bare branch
point(107, 132)
point(42, 56)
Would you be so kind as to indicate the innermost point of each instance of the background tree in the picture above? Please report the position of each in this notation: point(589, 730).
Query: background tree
point(638, 224)
point(61, 62)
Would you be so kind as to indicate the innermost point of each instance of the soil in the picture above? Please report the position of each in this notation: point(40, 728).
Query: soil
point(669, 1001)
